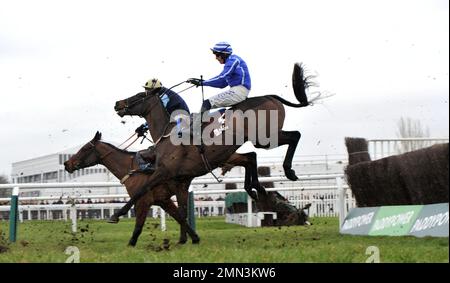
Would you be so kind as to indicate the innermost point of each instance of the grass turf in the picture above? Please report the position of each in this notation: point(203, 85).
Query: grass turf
point(98, 241)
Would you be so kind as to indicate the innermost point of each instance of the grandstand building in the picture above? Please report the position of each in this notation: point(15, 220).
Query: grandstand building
point(50, 169)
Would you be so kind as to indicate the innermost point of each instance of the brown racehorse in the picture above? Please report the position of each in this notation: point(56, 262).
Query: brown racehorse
point(175, 162)
point(121, 162)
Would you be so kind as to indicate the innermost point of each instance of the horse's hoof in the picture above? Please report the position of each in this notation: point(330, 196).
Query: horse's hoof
point(132, 245)
point(182, 242)
point(290, 174)
point(113, 219)
point(196, 241)
point(261, 190)
point(252, 194)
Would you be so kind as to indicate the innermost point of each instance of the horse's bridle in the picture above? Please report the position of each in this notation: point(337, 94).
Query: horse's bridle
point(97, 155)
point(147, 95)
point(100, 157)
point(141, 100)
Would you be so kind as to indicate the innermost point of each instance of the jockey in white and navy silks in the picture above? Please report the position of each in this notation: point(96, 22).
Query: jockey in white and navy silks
point(172, 102)
point(235, 74)
point(170, 99)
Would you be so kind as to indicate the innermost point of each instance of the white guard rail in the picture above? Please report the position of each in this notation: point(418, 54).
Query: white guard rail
point(344, 201)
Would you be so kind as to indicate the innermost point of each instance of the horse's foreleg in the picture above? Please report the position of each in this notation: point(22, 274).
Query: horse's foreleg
point(182, 199)
point(141, 208)
point(154, 180)
point(291, 138)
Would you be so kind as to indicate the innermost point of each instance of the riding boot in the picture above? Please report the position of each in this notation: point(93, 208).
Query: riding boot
point(144, 166)
point(197, 119)
point(148, 154)
point(147, 168)
point(205, 106)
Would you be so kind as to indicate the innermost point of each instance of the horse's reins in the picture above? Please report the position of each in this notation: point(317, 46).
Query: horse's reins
point(109, 152)
point(186, 88)
point(101, 157)
point(128, 140)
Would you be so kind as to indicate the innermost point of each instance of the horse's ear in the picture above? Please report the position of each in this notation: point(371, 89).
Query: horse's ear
point(98, 136)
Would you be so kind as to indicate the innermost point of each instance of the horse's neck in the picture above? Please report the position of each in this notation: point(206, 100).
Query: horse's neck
point(158, 119)
point(118, 163)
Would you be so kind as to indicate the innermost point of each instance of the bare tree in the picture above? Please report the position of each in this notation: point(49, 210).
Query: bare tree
point(4, 192)
point(411, 128)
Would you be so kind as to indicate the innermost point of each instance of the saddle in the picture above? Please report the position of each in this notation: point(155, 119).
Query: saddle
point(221, 127)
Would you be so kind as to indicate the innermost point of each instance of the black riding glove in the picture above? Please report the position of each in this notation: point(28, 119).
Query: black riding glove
point(141, 130)
point(194, 81)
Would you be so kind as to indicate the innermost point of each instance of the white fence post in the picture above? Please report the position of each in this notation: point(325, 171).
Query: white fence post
point(163, 219)
point(249, 211)
point(73, 216)
point(341, 195)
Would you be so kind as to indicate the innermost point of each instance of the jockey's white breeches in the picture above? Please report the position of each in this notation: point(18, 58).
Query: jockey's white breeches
point(230, 97)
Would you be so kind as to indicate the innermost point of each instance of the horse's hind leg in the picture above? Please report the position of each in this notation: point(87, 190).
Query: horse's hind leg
point(249, 162)
point(141, 208)
point(291, 138)
point(172, 210)
point(182, 199)
point(251, 166)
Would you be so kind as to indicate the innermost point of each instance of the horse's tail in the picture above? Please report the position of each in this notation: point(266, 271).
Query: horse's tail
point(300, 83)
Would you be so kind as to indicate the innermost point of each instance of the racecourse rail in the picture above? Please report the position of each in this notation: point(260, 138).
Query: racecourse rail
point(380, 148)
point(344, 200)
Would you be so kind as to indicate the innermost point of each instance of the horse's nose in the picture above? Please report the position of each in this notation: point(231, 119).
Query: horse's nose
point(117, 106)
point(68, 167)
point(121, 112)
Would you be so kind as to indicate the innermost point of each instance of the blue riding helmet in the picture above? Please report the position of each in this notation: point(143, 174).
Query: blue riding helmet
point(222, 47)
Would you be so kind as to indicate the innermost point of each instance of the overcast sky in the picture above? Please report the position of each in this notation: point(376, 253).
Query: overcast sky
point(63, 64)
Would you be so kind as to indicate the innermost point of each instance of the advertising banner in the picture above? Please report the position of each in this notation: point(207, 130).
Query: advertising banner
point(432, 221)
point(415, 220)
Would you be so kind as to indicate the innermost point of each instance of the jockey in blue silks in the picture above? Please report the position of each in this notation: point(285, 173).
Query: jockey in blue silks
point(235, 74)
